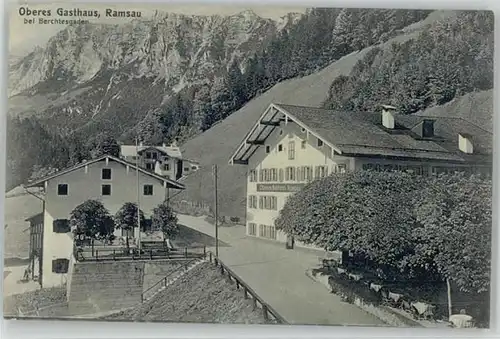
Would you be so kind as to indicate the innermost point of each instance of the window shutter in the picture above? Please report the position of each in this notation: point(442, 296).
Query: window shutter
point(281, 175)
point(261, 175)
point(316, 172)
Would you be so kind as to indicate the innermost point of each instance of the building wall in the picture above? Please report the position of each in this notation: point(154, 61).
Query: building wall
point(85, 184)
point(312, 155)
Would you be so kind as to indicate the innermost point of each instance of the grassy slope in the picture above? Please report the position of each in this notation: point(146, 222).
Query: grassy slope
point(216, 145)
point(476, 107)
point(202, 295)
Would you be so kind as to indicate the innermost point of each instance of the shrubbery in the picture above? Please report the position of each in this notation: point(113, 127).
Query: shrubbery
point(436, 225)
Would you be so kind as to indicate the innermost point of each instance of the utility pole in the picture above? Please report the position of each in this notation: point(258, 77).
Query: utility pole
point(138, 192)
point(216, 213)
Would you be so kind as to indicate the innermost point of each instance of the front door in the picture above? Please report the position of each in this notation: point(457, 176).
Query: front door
point(289, 241)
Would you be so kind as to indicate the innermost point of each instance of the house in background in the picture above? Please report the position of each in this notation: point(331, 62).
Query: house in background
point(290, 146)
point(111, 180)
point(163, 160)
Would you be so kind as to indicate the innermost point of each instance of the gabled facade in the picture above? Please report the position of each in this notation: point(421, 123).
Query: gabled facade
point(108, 179)
point(290, 146)
point(163, 160)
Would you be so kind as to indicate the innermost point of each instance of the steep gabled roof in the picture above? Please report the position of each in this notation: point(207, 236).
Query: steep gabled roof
point(170, 183)
point(362, 134)
point(132, 150)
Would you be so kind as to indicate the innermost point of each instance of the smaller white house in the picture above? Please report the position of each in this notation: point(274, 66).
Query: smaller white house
point(111, 180)
point(163, 160)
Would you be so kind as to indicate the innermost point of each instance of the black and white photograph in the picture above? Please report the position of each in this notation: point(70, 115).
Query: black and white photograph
point(216, 163)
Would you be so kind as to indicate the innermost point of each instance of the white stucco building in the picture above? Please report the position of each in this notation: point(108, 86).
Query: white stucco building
point(290, 146)
point(112, 181)
point(163, 160)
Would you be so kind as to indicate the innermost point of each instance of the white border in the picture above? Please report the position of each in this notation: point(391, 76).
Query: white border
point(87, 329)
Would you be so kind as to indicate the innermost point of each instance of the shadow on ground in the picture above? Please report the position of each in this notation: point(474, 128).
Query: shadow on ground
point(189, 237)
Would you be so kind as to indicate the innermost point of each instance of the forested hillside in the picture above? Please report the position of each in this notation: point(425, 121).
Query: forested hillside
point(124, 97)
point(452, 58)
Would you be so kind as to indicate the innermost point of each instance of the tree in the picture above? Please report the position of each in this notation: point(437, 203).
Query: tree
point(104, 144)
point(126, 219)
point(164, 219)
point(92, 220)
point(366, 212)
point(455, 234)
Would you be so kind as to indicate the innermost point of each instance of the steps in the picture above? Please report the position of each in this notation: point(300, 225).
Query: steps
point(169, 280)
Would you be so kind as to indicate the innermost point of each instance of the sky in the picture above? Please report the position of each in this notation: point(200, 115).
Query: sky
point(24, 37)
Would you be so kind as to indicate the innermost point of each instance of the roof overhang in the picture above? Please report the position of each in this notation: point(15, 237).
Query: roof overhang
point(168, 182)
point(273, 117)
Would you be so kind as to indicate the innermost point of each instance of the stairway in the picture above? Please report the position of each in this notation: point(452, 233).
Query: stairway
point(169, 280)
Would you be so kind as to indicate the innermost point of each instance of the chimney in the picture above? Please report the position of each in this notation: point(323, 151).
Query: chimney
point(388, 116)
point(465, 143)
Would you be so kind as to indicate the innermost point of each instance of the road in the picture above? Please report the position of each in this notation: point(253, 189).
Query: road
point(278, 276)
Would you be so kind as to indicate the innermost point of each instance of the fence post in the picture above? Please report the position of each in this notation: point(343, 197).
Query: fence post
point(96, 255)
point(151, 254)
point(210, 256)
point(221, 269)
point(165, 281)
point(185, 252)
point(205, 252)
point(264, 311)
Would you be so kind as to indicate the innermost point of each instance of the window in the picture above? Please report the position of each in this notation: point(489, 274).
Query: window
point(308, 173)
point(252, 228)
point(148, 155)
point(321, 171)
point(106, 174)
point(268, 149)
point(267, 202)
point(342, 168)
point(60, 265)
point(166, 167)
point(252, 201)
point(193, 167)
point(106, 189)
point(149, 166)
point(291, 150)
point(303, 130)
point(320, 142)
point(155, 155)
point(281, 175)
point(303, 144)
point(274, 174)
point(253, 175)
point(266, 231)
point(148, 190)
point(280, 148)
point(61, 226)
point(290, 174)
point(186, 169)
point(62, 189)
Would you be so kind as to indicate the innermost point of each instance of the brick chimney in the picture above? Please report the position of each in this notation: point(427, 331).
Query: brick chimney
point(388, 116)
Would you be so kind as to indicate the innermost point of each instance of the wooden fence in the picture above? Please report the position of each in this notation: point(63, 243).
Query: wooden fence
point(148, 253)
